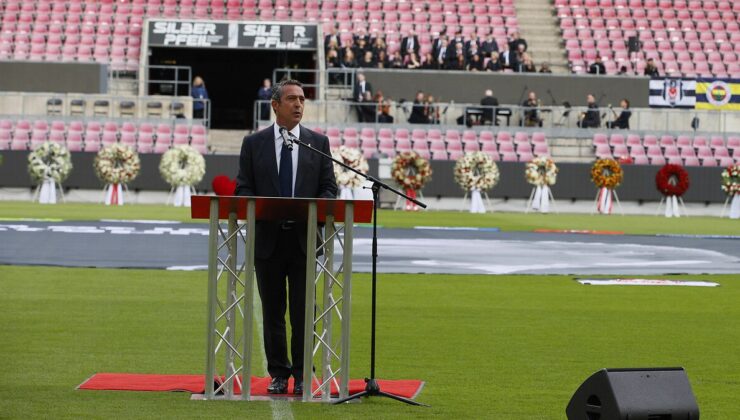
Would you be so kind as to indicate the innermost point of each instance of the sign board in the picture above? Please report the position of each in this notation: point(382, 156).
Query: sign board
point(237, 35)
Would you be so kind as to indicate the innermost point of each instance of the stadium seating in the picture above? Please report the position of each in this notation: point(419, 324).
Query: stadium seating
point(432, 143)
point(682, 150)
point(690, 38)
point(90, 136)
point(110, 31)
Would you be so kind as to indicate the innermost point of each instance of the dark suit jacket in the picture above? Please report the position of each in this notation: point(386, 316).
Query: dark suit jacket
point(405, 43)
point(258, 177)
point(356, 93)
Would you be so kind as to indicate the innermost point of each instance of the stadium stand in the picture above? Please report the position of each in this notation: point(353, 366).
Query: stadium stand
point(90, 135)
point(681, 150)
point(690, 38)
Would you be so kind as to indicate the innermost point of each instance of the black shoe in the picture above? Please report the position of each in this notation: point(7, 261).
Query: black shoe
point(298, 386)
point(278, 386)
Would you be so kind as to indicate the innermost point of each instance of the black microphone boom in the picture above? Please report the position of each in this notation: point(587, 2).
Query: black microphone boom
point(286, 142)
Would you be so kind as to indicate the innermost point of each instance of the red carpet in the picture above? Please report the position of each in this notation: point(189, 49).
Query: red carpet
point(196, 384)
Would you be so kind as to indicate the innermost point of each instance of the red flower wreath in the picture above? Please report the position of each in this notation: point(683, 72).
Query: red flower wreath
point(680, 180)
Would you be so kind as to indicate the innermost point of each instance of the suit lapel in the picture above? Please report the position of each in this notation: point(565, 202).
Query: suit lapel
point(267, 154)
point(304, 159)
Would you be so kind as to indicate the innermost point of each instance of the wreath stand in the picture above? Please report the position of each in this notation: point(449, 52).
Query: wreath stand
point(404, 204)
point(46, 192)
point(541, 199)
point(734, 202)
point(345, 193)
point(476, 205)
point(180, 196)
point(604, 201)
point(674, 206)
point(113, 194)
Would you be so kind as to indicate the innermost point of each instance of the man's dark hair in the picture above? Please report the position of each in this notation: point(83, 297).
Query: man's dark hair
point(277, 90)
point(627, 101)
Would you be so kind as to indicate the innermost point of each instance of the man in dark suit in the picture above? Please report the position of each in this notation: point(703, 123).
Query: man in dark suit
point(490, 103)
point(268, 168)
point(591, 118)
point(410, 43)
point(361, 88)
point(597, 67)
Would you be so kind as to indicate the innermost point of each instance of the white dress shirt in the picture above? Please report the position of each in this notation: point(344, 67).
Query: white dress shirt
point(296, 131)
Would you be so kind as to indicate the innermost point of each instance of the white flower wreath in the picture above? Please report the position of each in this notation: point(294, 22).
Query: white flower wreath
point(354, 158)
point(50, 161)
point(117, 164)
point(541, 171)
point(476, 171)
point(182, 165)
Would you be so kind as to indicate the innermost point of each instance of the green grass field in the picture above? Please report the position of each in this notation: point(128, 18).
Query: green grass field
point(488, 346)
point(388, 218)
point(501, 347)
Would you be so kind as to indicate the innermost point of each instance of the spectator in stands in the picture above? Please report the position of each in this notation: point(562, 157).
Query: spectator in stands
point(395, 61)
point(431, 110)
point(265, 94)
point(429, 62)
point(412, 61)
point(384, 116)
point(410, 44)
point(507, 58)
point(418, 116)
point(622, 71)
point(527, 64)
point(476, 63)
point(378, 45)
point(382, 59)
point(545, 68)
point(367, 110)
point(332, 62)
point(651, 69)
point(359, 94)
point(331, 38)
point(200, 94)
point(494, 64)
point(472, 48)
point(623, 120)
point(597, 67)
point(515, 41)
point(368, 61)
point(438, 44)
point(591, 118)
point(348, 59)
point(441, 55)
point(489, 102)
point(459, 63)
point(360, 47)
point(531, 109)
point(489, 46)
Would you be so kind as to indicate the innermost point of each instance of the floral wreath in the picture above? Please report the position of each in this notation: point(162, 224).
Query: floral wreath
point(50, 161)
point(731, 179)
point(476, 171)
point(182, 165)
point(606, 173)
point(672, 180)
point(117, 164)
point(541, 171)
point(354, 158)
point(410, 170)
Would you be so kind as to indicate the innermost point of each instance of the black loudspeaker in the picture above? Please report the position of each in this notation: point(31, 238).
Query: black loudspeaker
point(634, 394)
point(633, 44)
point(286, 33)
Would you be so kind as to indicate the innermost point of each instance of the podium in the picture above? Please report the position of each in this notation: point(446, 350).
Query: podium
point(231, 299)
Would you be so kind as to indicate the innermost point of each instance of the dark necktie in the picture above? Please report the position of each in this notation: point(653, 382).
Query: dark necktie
point(286, 172)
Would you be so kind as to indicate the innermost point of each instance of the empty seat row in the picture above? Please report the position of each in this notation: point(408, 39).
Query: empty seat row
point(683, 149)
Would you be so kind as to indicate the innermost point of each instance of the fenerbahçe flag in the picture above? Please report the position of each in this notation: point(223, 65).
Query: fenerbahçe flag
point(718, 94)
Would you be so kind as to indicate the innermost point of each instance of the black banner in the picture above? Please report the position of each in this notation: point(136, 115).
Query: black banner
point(264, 36)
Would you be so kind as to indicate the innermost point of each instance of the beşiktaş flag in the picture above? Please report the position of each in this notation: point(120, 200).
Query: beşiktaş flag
point(673, 93)
point(718, 94)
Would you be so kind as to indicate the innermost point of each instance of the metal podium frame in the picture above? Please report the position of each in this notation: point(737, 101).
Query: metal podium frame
point(233, 301)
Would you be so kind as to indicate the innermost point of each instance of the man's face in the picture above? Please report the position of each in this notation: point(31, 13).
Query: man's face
point(289, 110)
point(590, 99)
point(532, 96)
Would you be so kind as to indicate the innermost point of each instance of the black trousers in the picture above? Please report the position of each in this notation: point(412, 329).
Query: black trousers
point(288, 261)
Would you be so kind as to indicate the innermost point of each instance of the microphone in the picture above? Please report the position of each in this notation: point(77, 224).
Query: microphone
point(286, 139)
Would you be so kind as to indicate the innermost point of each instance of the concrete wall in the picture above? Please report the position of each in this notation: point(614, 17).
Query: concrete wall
point(574, 180)
point(468, 87)
point(29, 76)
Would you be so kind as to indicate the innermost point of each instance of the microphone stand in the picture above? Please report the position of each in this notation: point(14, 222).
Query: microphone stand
point(371, 384)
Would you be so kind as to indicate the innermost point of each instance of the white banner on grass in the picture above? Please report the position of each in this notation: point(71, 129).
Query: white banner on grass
point(646, 282)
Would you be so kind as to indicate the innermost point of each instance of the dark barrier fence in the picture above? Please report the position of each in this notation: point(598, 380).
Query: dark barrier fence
point(574, 179)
